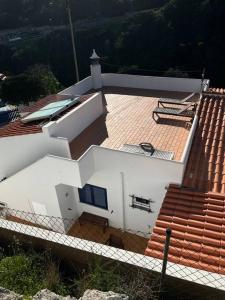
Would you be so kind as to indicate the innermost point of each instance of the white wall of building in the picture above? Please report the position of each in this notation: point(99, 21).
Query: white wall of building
point(17, 152)
point(152, 82)
point(79, 88)
point(67, 204)
point(37, 183)
point(75, 121)
point(187, 149)
point(43, 184)
point(122, 174)
point(145, 177)
point(136, 81)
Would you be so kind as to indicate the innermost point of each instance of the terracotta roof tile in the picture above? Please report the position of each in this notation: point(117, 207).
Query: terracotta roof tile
point(216, 91)
point(199, 230)
point(196, 212)
point(206, 163)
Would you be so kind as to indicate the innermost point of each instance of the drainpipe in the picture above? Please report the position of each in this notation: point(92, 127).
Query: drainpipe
point(123, 201)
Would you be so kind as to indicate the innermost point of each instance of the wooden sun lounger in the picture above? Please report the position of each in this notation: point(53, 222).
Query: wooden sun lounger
point(174, 112)
point(185, 101)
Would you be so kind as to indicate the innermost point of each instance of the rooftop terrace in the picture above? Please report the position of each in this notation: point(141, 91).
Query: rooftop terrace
point(128, 120)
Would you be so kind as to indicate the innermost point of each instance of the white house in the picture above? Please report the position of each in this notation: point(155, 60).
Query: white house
point(79, 151)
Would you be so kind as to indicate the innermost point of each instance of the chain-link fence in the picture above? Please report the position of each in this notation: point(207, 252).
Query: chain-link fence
point(180, 260)
point(135, 241)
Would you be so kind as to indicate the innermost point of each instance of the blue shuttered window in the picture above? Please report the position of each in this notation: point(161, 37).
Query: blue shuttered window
point(93, 195)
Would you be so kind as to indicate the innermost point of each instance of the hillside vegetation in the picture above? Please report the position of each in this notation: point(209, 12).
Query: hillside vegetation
point(41, 12)
point(149, 37)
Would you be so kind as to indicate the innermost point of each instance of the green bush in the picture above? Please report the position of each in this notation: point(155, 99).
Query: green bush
point(99, 276)
point(137, 283)
point(18, 273)
point(38, 81)
point(28, 273)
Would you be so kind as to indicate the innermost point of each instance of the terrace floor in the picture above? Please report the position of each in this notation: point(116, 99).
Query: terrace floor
point(94, 233)
point(128, 120)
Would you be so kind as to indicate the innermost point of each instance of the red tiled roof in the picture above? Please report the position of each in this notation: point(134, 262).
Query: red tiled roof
point(206, 166)
point(19, 128)
point(196, 212)
point(197, 223)
point(220, 91)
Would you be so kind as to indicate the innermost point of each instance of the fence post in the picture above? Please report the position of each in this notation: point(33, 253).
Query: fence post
point(165, 259)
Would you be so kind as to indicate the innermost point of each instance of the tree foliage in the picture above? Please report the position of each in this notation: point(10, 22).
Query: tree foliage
point(36, 82)
point(52, 12)
point(178, 35)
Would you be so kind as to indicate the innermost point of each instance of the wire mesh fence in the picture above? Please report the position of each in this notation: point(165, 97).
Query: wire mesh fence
point(186, 260)
point(128, 239)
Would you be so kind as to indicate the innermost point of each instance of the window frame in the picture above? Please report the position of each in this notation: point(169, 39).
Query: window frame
point(93, 203)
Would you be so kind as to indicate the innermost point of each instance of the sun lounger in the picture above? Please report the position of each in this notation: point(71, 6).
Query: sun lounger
point(185, 101)
point(186, 112)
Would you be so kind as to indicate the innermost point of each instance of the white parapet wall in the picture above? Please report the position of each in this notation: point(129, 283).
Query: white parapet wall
point(187, 149)
point(79, 88)
point(188, 85)
point(18, 152)
point(75, 121)
point(153, 82)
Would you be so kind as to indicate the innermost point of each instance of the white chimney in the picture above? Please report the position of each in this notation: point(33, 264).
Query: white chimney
point(96, 72)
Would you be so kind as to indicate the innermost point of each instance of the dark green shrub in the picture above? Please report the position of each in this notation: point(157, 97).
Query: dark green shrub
point(99, 276)
point(18, 273)
point(27, 273)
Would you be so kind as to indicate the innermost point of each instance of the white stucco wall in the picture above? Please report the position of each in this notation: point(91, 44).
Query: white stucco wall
point(37, 183)
point(67, 204)
point(152, 82)
point(79, 88)
point(187, 148)
point(75, 121)
point(144, 177)
point(44, 183)
point(17, 152)
point(137, 81)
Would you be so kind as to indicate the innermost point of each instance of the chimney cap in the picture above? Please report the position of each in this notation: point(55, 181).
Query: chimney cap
point(94, 55)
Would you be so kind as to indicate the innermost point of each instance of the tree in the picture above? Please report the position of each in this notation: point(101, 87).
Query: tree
point(38, 81)
point(42, 81)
